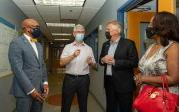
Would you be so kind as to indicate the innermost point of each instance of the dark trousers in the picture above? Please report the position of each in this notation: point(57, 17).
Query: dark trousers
point(115, 101)
point(80, 86)
point(27, 104)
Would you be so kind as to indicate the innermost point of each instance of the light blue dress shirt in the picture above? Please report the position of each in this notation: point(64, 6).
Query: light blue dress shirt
point(111, 51)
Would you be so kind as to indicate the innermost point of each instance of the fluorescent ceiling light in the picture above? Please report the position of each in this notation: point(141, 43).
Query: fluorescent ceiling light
point(61, 34)
point(60, 2)
point(61, 39)
point(61, 24)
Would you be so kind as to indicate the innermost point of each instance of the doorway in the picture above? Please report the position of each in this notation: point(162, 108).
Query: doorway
point(137, 12)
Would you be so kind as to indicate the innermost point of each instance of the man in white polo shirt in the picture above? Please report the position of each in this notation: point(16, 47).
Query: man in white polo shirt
point(77, 57)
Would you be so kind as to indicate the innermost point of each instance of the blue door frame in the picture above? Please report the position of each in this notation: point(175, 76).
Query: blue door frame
point(130, 4)
point(121, 11)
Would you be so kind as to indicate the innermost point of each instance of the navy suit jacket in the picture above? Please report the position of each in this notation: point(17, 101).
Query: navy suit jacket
point(29, 71)
point(126, 59)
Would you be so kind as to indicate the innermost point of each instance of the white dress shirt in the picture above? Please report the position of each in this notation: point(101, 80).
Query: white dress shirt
point(79, 65)
point(36, 52)
point(111, 51)
point(32, 44)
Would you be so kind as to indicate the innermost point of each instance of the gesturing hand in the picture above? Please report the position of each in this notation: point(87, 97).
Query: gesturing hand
point(76, 53)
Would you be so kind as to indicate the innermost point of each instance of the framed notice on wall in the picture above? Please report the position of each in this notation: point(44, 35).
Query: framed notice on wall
point(7, 33)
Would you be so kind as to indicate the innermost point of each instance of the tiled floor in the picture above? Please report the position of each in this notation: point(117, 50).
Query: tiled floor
point(53, 101)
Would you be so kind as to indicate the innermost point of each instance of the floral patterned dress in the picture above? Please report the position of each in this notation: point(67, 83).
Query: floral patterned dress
point(156, 65)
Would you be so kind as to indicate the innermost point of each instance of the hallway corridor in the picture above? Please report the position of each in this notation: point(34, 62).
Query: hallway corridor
point(53, 101)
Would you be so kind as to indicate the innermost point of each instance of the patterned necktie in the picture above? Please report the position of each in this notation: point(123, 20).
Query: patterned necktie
point(33, 40)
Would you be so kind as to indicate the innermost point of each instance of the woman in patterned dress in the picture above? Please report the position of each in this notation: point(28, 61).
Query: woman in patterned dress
point(162, 56)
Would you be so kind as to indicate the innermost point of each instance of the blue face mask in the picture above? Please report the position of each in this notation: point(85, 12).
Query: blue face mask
point(79, 37)
point(36, 32)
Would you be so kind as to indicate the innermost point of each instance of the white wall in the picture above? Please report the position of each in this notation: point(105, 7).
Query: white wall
point(108, 12)
point(11, 13)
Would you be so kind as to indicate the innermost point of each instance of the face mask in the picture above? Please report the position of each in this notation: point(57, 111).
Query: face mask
point(36, 32)
point(108, 36)
point(150, 32)
point(79, 37)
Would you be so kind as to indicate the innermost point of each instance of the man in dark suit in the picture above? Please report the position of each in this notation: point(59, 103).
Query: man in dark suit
point(119, 57)
point(30, 84)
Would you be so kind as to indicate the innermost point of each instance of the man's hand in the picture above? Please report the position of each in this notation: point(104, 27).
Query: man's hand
point(89, 61)
point(108, 59)
point(37, 96)
point(46, 90)
point(76, 53)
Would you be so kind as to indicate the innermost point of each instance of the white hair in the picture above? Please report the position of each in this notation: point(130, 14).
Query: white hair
point(115, 23)
point(78, 27)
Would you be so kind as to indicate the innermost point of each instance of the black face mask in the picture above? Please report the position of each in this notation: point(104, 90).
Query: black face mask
point(108, 36)
point(36, 32)
point(150, 32)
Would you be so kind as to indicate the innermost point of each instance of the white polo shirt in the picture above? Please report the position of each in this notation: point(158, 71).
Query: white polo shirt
point(79, 65)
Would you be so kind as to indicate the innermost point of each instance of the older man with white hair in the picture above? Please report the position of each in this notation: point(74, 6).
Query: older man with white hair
point(77, 57)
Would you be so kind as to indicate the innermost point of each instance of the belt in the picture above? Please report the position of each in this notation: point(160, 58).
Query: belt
point(75, 75)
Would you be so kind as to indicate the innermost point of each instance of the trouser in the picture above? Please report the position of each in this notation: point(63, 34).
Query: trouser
point(75, 84)
point(115, 101)
point(27, 104)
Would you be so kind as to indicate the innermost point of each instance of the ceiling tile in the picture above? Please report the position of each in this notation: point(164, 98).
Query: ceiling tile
point(94, 3)
point(51, 20)
point(29, 10)
point(87, 15)
point(70, 12)
point(48, 9)
point(51, 15)
point(23, 2)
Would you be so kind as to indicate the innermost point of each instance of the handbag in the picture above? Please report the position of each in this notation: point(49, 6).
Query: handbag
point(153, 99)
